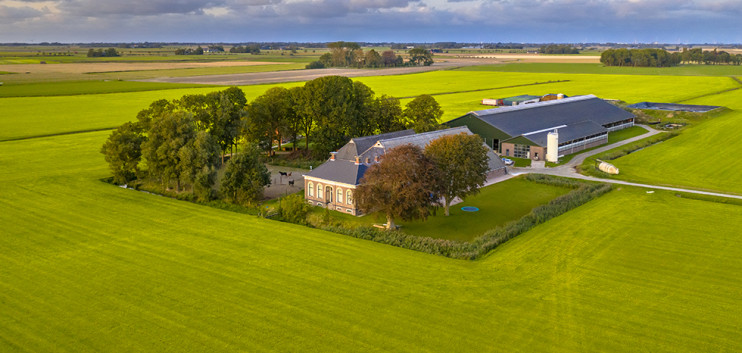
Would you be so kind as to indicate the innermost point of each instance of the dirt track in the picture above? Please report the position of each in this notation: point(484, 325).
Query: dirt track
point(255, 78)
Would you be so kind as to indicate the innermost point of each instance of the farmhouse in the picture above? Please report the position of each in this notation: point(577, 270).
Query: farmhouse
point(563, 126)
point(333, 183)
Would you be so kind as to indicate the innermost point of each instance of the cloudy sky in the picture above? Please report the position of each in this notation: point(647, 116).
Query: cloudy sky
point(673, 21)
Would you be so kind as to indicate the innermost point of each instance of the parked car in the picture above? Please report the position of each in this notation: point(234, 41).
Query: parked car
point(507, 161)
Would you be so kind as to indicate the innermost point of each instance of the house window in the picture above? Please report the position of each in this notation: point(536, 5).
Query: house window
point(340, 195)
point(310, 189)
point(319, 191)
point(349, 197)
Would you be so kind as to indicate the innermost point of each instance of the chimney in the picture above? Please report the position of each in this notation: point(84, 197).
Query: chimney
point(358, 160)
point(332, 155)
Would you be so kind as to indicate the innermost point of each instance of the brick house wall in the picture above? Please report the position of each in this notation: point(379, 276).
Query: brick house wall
point(319, 196)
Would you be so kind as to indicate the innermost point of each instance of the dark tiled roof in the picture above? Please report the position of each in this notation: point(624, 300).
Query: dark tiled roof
point(358, 145)
point(344, 169)
point(523, 119)
point(341, 171)
point(569, 133)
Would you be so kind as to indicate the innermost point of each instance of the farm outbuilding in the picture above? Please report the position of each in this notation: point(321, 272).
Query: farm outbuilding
point(333, 183)
point(521, 131)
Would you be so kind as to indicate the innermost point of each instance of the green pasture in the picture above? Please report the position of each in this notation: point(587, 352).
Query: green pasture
point(90, 267)
point(70, 88)
point(704, 156)
point(33, 116)
point(589, 68)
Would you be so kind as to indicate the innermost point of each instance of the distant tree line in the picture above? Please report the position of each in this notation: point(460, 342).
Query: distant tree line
point(558, 49)
point(709, 57)
point(184, 143)
point(250, 48)
point(639, 57)
point(190, 51)
point(97, 53)
point(350, 54)
point(662, 58)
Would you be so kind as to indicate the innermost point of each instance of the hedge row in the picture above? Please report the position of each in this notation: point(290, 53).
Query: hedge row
point(582, 193)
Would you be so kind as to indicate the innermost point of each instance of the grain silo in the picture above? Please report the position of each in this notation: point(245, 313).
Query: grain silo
point(552, 147)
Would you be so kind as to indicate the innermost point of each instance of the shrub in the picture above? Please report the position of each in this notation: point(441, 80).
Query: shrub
point(294, 209)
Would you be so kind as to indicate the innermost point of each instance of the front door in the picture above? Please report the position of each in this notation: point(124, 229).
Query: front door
point(328, 194)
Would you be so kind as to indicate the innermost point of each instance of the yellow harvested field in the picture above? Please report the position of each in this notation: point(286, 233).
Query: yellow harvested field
point(83, 68)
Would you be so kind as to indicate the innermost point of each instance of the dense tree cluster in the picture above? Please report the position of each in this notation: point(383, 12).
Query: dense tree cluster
point(97, 53)
point(409, 181)
point(330, 110)
point(250, 48)
point(180, 142)
point(558, 49)
point(639, 57)
point(709, 57)
point(350, 54)
point(183, 142)
point(190, 51)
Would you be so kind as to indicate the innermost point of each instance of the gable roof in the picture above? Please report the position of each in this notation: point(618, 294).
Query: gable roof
point(357, 145)
point(345, 170)
point(340, 171)
point(532, 118)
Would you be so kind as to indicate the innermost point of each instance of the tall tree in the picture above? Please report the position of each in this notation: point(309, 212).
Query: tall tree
point(462, 165)
point(268, 115)
point(389, 58)
point(422, 113)
point(166, 136)
point(387, 114)
point(123, 152)
point(245, 177)
point(420, 56)
point(401, 186)
point(324, 102)
point(373, 59)
point(202, 151)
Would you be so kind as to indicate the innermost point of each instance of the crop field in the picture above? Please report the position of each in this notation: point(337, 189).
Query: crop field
point(70, 88)
point(587, 68)
point(702, 157)
point(91, 267)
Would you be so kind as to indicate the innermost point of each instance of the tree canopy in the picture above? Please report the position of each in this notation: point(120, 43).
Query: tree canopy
point(462, 164)
point(422, 113)
point(123, 152)
point(245, 177)
point(401, 186)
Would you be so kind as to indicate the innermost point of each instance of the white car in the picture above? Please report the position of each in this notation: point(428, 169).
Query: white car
point(507, 161)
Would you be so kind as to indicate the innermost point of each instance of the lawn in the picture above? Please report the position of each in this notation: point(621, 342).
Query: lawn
point(90, 267)
point(498, 204)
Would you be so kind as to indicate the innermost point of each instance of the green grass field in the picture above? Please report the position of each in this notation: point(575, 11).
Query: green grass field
point(702, 157)
point(69, 88)
point(90, 267)
point(682, 70)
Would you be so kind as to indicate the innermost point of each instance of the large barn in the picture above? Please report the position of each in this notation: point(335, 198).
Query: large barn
point(573, 124)
point(333, 183)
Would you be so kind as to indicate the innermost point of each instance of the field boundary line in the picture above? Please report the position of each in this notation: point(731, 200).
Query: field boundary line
point(489, 89)
point(56, 134)
point(715, 93)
